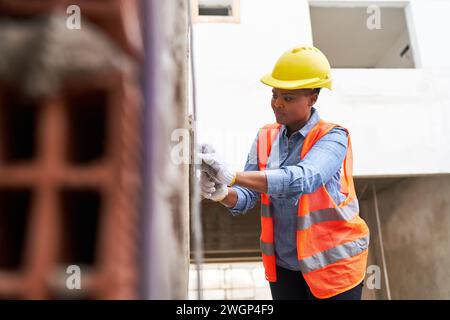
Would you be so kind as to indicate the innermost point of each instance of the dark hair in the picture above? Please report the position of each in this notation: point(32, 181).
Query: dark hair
point(316, 90)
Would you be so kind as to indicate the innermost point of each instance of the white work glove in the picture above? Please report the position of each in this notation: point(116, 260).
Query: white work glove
point(214, 191)
point(217, 169)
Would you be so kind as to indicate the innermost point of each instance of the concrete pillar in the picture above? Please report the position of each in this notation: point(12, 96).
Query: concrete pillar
point(166, 199)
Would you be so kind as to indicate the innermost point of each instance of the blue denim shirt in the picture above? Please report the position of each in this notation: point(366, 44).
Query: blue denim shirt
point(288, 178)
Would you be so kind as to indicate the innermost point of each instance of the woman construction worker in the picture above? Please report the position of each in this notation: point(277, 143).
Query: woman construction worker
point(314, 243)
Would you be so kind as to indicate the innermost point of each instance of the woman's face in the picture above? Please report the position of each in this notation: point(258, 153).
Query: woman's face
point(292, 106)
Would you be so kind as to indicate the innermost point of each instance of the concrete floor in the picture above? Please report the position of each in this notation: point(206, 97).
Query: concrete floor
point(224, 281)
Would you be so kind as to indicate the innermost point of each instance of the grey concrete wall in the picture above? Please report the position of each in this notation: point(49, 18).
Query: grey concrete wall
point(415, 226)
point(166, 207)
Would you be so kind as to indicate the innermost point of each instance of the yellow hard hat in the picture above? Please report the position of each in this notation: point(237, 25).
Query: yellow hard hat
point(300, 68)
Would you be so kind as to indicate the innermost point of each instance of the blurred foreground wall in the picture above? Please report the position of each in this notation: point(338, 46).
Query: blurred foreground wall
point(70, 109)
point(87, 184)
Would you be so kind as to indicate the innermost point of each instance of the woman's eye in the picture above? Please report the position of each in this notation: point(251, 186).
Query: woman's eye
point(274, 97)
point(287, 99)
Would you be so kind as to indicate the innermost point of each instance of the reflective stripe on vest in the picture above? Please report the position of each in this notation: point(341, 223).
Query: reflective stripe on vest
point(265, 210)
point(264, 145)
point(267, 248)
point(340, 252)
point(345, 213)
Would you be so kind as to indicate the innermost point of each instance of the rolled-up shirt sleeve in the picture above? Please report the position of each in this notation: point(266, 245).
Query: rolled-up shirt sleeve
point(319, 165)
point(247, 198)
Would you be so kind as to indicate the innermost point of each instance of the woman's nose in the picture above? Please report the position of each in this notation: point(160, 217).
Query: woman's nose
point(278, 103)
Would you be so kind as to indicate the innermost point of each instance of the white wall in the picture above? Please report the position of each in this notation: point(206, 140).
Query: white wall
point(397, 117)
point(431, 29)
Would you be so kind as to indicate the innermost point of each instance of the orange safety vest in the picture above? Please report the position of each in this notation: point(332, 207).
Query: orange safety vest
point(332, 240)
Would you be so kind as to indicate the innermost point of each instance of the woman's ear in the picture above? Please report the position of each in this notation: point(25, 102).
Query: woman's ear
point(313, 98)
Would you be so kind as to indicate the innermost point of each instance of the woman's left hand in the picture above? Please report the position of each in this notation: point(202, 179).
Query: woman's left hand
point(216, 168)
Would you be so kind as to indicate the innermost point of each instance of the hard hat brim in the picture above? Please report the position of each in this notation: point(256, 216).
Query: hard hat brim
point(296, 84)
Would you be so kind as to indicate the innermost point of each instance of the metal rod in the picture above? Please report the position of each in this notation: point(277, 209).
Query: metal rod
point(380, 236)
point(360, 197)
point(195, 199)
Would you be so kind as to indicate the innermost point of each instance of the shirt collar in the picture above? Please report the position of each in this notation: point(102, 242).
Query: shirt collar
point(313, 120)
